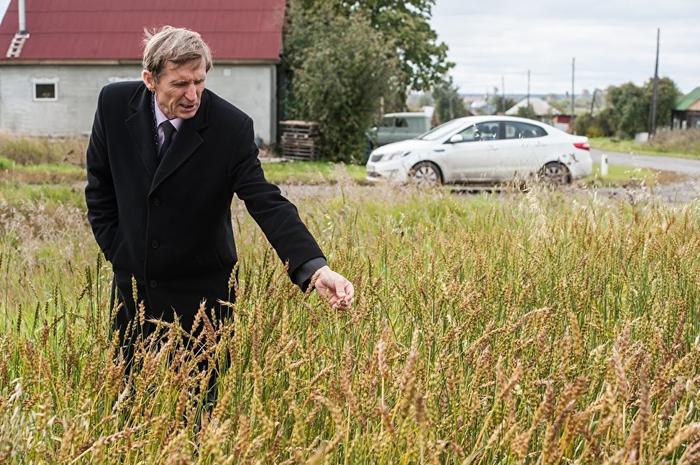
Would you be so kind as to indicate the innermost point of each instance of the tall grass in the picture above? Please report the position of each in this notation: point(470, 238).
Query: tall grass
point(37, 150)
point(531, 329)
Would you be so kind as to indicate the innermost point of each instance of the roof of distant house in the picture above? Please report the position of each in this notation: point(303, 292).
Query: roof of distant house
point(685, 102)
point(540, 107)
point(105, 30)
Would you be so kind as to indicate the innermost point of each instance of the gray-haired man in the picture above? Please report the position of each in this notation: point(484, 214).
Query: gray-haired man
point(165, 157)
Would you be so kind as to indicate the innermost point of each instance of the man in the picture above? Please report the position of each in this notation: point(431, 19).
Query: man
point(165, 158)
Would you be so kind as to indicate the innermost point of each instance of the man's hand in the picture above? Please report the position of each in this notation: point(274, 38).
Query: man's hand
point(333, 288)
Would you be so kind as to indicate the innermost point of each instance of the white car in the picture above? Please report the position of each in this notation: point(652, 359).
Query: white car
point(484, 149)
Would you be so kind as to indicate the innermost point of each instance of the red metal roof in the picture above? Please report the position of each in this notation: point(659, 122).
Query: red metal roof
point(113, 30)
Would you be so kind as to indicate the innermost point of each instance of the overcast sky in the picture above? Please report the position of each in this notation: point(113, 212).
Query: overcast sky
point(613, 42)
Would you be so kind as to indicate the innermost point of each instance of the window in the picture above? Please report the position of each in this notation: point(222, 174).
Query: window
point(488, 130)
point(441, 131)
point(401, 123)
point(515, 130)
point(469, 134)
point(45, 89)
point(386, 123)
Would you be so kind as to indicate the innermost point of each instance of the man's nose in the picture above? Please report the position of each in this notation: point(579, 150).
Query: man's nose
point(191, 93)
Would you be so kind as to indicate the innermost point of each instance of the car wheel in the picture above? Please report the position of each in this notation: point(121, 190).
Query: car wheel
point(555, 173)
point(426, 174)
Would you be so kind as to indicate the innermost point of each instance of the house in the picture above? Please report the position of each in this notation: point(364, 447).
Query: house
point(686, 113)
point(53, 65)
point(542, 109)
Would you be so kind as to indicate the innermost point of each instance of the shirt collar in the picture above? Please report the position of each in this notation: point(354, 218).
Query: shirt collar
point(160, 116)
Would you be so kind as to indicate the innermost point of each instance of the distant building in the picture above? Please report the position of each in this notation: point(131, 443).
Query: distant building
point(686, 113)
point(542, 109)
point(51, 74)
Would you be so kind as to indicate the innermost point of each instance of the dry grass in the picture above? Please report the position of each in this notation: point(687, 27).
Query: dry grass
point(37, 150)
point(685, 141)
point(531, 329)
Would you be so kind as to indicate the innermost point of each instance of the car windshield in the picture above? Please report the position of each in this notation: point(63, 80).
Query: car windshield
point(441, 131)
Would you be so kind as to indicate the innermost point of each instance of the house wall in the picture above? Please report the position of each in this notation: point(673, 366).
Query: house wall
point(252, 88)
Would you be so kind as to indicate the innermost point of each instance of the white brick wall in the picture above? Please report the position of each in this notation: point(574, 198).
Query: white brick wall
point(252, 88)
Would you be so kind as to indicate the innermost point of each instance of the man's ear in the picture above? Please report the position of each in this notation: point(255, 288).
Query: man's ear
point(149, 80)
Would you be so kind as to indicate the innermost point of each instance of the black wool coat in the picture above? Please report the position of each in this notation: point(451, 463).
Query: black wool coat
point(169, 225)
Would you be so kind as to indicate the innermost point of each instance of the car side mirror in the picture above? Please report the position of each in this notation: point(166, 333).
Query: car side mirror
point(457, 138)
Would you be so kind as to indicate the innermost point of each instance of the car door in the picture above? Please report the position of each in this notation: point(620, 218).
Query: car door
point(475, 155)
point(385, 130)
point(522, 144)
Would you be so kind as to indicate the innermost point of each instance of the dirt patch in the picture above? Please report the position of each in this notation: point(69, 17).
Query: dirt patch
point(670, 187)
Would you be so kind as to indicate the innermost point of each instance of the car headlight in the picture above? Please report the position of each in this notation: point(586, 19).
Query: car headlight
point(394, 155)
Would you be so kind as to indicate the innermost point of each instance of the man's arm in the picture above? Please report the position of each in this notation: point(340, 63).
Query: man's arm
point(279, 220)
point(99, 192)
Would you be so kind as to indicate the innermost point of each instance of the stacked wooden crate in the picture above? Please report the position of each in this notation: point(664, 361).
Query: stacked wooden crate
point(300, 140)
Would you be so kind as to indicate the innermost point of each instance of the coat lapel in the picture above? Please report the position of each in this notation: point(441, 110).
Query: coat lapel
point(141, 128)
point(187, 141)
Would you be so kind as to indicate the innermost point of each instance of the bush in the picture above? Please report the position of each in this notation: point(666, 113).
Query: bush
point(591, 125)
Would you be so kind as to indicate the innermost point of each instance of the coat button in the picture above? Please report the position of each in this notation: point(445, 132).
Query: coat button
point(155, 244)
point(156, 202)
point(153, 283)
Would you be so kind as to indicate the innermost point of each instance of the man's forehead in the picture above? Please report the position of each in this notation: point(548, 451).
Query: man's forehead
point(186, 70)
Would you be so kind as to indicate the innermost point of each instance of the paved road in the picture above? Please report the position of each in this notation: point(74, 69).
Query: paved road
point(679, 165)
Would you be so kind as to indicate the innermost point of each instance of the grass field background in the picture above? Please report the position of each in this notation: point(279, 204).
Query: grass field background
point(511, 328)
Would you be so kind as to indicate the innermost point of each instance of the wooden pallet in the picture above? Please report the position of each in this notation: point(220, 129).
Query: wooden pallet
point(300, 139)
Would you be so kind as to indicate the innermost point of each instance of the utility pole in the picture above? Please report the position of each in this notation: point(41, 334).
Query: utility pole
point(652, 116)
point(528, 88)
point(503, 94)
point(573, 72)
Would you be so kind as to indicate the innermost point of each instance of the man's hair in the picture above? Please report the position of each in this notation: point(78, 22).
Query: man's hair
point(174, 44)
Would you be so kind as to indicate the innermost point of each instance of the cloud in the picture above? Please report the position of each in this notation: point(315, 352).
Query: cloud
point(612, 43)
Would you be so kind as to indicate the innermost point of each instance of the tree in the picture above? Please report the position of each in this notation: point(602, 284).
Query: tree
point(631, 105)
point(341, 70)
point(667, 95)
point(630, 109)
point(527, 111)
point(405, 26)
point(448, 103)
point(502, 104)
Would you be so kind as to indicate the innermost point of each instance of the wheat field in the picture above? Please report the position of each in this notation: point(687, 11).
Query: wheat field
point(535, 328)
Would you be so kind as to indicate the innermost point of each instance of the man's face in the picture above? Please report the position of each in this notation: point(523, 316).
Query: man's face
point(178, 88)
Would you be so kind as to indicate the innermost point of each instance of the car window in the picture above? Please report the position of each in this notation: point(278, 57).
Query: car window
point(488, 130)
point(386, 123)
point(417, 124)
point(442, 131)
point(517, 130)
point(401, 123)
point(470, 134)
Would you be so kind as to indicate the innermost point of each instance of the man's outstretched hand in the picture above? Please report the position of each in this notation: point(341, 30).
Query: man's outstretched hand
point(333, 288)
